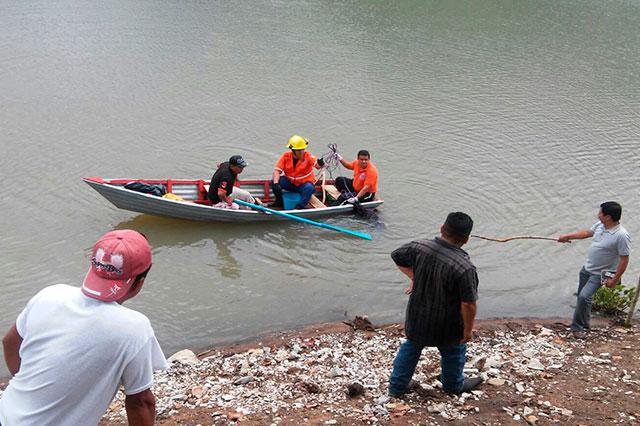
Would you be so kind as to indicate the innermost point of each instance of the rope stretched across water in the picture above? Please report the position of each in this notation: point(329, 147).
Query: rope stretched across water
point(517, 237)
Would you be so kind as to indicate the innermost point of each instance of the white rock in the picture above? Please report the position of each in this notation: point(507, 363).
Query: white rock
point(492, 362)
point(184, 356)
point(535, 364)
point(382, 400)
point(437, 408)
point(243, 380)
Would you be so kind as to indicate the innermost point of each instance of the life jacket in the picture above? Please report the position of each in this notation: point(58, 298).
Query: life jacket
point(302, 172)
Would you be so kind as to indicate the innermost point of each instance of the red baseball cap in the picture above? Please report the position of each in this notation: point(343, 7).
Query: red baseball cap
point(116, 260)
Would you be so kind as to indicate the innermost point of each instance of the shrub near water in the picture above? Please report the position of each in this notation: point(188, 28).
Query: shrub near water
point(613, 301)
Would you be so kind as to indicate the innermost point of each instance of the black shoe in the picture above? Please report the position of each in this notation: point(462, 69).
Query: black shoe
point(468, 385)
point(471, 383)
point(579, 335)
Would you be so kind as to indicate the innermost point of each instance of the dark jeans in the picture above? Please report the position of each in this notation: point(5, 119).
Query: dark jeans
point(588, 284)
point(345, 186)
point(306, 190)
point(451, 361)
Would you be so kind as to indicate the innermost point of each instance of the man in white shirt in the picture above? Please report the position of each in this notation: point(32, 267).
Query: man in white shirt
point(71, 348)
point(607, 259)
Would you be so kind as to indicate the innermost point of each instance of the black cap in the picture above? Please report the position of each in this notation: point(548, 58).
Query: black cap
point(237, 160)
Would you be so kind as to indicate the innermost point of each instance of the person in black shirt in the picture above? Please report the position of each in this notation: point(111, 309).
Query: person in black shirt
point(222, 188)
point(442, 305)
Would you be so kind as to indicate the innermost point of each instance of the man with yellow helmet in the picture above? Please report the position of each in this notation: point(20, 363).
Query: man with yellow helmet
point(294, 172)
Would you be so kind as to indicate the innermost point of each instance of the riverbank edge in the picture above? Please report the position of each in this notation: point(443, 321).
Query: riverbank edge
point(274, 337)
point(270, 338)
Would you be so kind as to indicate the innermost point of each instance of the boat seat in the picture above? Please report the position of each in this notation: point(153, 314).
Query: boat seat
point(203, 193)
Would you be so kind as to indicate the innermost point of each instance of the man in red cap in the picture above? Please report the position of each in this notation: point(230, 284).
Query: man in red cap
point(71, 348)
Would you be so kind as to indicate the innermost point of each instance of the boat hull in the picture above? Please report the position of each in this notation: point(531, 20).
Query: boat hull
point(189, 210)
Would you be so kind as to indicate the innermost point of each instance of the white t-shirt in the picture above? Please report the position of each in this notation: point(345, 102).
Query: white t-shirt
point(76, 352)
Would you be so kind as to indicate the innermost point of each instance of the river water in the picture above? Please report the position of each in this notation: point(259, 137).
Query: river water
point(526, 115)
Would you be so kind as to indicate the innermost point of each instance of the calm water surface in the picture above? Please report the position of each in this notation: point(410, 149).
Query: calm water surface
point(524, 114)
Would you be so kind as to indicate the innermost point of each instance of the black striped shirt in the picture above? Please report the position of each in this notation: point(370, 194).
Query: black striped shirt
point(443, 277)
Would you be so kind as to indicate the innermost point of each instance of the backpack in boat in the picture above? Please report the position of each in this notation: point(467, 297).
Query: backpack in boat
point(147, 188)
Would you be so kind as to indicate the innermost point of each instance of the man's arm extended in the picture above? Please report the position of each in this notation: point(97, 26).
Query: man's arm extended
point(141, 408)
point(468, 310)
point(579, 235)
point(11, 343)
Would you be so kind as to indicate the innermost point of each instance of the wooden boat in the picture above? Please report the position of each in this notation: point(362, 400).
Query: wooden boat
point(197, 207)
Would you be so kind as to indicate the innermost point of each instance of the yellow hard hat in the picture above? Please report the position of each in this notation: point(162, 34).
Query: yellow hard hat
point(297, 142)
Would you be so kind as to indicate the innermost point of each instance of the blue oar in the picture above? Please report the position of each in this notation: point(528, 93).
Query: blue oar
point(304, 220)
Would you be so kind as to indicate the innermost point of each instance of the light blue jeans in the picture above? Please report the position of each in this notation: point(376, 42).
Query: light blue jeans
point(451, 361)
point(588, 284)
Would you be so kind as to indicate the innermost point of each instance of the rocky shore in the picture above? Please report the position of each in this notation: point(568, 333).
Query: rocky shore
point(535, 373)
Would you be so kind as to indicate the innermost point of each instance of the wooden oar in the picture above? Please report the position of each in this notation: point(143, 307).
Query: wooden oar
point(304, 220)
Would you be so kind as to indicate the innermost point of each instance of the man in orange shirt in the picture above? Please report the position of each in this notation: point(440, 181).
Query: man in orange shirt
point(294, 172)
point(364, 185)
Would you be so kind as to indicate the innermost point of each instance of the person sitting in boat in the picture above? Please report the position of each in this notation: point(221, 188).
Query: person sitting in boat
point(294, 172)
point(364, 185)
point(222, 190)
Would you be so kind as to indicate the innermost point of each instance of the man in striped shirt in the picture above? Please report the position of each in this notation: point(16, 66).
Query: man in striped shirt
point(442, 305)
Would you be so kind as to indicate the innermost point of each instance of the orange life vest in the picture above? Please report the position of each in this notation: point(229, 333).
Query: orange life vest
point(302, 172)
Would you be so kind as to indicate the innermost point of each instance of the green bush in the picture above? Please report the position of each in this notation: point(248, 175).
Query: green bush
point(613, 301)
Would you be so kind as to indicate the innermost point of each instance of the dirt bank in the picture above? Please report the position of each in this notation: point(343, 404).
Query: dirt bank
point(535, 374)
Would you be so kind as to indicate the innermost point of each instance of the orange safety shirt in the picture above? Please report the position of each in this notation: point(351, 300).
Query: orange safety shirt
point(362, 177)
point(302, 172)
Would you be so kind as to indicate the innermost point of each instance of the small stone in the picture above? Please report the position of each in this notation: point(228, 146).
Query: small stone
point(243, 380)
point(492, 362)
point(436, 408)
point(384, 399)
point(335, 372)
point(234, 416)
point(197, 391)
point(184, 356)
point(311, 387)
point(535, 364)
point(532, 420)
point(494, 381)
point(355, 389)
